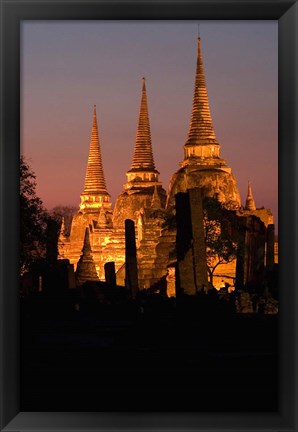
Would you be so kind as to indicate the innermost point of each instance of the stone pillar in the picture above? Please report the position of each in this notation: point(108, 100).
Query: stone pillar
point(250, 274)
point(185, 282)
point(131, 268)
point(198, 243)
point(110, 274)
point(190, 242)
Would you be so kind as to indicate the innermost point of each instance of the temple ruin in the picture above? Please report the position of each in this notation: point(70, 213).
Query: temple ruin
point(155, 214)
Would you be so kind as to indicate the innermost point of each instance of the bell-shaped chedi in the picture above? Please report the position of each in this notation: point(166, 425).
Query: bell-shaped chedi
point(201, 131)
point(142, 178)
point(86, 270)
point(95, 194)
point(250, 208)
point(94, 211)
point(250, 202)
point(142, 168)
point(202, 165)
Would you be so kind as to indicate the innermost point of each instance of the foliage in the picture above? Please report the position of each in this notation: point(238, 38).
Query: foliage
point(222, 235)
point(33, 221)
point(169, 220)
point(66, 213)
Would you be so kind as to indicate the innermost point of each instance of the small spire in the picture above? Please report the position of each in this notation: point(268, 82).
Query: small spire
point(201, 131)
point(94, 180)
point(86, 246)
point(250, 202)
point(155, 202)
point(86, 270)
point(143, 155)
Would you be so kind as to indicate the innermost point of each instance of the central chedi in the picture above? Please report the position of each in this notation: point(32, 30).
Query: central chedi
point(142, 186)
point(142, 200)
point(202, 165)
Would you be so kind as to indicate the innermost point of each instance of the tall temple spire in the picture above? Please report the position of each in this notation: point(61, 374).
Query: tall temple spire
point(202, 164)
point(201, 143)
point(143, 155)
point(94, 180)
point(201, 131)
point(250, 202)
point(142, 172)
point(95, 192)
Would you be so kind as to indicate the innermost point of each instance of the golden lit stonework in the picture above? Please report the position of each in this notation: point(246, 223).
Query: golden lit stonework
point(202, 165)
point(144, 201)
point(95, 194)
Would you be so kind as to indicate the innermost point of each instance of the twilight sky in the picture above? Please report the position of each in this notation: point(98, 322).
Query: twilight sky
point(68, 66)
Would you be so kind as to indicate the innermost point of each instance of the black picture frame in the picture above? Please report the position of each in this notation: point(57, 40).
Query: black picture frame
point(12, 12)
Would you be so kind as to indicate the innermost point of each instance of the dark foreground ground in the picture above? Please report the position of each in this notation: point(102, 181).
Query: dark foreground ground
point(148, 362)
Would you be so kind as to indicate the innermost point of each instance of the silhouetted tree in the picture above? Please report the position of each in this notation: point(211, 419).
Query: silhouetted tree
point(33, 221)
point(221, 235)
point(65, 212)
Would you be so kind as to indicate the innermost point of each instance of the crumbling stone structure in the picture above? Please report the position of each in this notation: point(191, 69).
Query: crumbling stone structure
point(145, 202)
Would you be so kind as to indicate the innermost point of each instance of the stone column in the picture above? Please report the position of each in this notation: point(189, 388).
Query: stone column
point(131, 268)
point(110, 274)
point(190, 242)
point(185, 282)
point(198, 235)
point(252, 263)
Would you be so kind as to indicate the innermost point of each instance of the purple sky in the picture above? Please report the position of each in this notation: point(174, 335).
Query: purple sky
point(68, 66)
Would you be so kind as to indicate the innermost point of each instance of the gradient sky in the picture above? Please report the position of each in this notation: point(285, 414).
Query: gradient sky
point(68, 66)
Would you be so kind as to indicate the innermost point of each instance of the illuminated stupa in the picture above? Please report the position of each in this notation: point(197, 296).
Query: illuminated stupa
point(142, 197)
point(95, 194)
point(94, 213)
point(142, 177)
point(144, 200)
point(202, 165)
point(250, 202)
